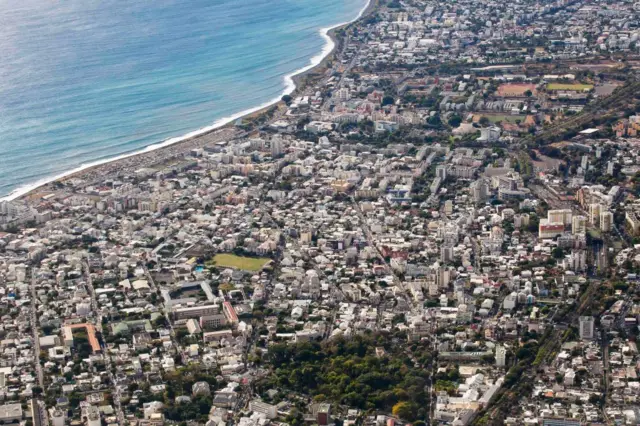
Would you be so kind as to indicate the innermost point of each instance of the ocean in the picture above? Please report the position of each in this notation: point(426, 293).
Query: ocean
point(84, 81)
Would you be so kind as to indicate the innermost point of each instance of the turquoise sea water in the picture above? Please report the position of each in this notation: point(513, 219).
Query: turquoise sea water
point(86, 80)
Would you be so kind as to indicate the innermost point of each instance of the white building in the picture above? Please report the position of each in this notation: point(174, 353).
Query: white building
point(93, 416)
point(569, 377)
point(501, 356)
point(270, 411)
point(587, 328)
point(10, 413)
point(563, 216)
point(594, 213)
point(480, 191)
point(385, 126)
point(577, 261)
point(606, 221)
point(578, 225)
point(57, 417)
point(83, 309)
point(343, 94)
point(276, 148)
point(489, 134)
point(510, 301)
point(446, 254)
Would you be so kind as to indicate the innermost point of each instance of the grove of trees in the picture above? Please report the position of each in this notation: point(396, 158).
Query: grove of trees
point(349, 372)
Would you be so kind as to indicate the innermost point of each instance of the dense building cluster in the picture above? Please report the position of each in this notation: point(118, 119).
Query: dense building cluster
point(441, 227)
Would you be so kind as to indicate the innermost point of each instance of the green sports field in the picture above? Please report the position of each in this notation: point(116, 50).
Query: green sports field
point(566, 86)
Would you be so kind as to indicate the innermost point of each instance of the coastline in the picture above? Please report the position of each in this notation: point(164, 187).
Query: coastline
point(174, 147)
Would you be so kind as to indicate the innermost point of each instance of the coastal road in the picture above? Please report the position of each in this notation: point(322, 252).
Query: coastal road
point(351, 63)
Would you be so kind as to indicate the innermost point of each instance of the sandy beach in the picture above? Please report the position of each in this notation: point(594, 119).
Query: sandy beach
point(176, 148)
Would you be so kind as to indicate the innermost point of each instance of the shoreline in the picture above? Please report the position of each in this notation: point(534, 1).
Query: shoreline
point(293, 82)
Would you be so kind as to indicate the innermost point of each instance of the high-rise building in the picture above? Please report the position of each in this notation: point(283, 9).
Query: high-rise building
point(594, 213)
point(446, 254)
point(343, 94)
point(7, 208)
point(480, 191)
point(584, 162)
point(563, 216)
point(443, 276)
point(632, 220)
point(276, 148)
point(448, 207)
point(270, 411)
point(578, 225)
point(521, 220)
point(606, 221)
point(501, 356)
point(577, 261)
point(587, 328)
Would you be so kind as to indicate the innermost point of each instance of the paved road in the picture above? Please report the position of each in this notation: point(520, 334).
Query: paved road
point(371, 240)
point(477, 252)
point(605, 358)
point(107, 358)
point(164, 311)
point(34, 328)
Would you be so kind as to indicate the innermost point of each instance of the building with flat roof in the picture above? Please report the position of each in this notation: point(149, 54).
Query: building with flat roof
point(553, 421)
point(633, 221)
point(501, 356)
point(212, 321)
point(262, 407)
point(548, 230)
point(11, 413)
point(323, 414)
point(587, 328)
point(215, 336)
point(194, 311)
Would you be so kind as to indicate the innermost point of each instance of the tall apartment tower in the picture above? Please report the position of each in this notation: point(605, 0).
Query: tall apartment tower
point(587, 328)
